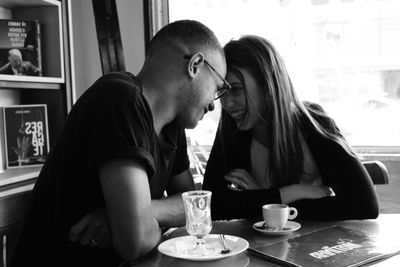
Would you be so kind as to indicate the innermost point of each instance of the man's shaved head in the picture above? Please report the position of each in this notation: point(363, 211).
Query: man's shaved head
point(188, 35)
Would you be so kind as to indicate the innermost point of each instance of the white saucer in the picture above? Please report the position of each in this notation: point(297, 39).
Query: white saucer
point(177, 247)
point(289, 228)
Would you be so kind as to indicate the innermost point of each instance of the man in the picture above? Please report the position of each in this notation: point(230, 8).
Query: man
point(16, 66)
point(122, 146)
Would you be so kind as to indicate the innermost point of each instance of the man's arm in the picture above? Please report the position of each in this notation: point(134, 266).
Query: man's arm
point(127, 196)
point(180, 183)
point(170, 211)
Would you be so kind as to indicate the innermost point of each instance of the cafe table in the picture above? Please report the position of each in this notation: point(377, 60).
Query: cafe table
point(386, 226)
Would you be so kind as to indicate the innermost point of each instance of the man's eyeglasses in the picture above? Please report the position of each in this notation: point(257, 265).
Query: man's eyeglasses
point(225, 87)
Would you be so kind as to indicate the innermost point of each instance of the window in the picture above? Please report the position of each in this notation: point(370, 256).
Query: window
point(342, 54)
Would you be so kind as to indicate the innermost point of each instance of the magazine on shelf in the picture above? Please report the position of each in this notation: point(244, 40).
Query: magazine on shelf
point(26, 135)
point(335, 246)
point(20, 47)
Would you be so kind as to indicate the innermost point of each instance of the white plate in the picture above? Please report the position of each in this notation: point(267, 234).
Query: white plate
point(289, 228)
point(177, 247)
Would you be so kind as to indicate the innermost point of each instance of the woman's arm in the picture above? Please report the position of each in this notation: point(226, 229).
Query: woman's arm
point(355, 196)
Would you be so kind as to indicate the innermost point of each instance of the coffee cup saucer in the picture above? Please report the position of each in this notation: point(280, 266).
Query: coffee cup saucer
point(287, 229)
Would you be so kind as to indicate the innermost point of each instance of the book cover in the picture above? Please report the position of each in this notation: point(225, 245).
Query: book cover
point(20, 47)
point(26, 135)
point(334, 246)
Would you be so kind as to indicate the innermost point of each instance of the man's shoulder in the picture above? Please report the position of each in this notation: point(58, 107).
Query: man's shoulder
point(120, 76)
point(119, 81)
point(113, 90)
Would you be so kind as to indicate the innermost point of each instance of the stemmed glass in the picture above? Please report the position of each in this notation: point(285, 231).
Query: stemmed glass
point(198, 219)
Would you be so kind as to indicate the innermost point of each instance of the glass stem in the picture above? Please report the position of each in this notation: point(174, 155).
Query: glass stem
point(200, 241)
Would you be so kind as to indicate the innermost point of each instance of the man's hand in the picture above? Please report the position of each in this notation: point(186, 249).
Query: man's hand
point(93, 229)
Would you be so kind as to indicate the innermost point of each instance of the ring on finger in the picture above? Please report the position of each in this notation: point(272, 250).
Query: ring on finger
point(237, 187)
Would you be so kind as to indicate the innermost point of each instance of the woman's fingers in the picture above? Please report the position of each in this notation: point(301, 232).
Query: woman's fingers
point(244, 179)
point(240, 173)
point(237, 181)
point(235, 187)
point(319, 191)
point(329, 191)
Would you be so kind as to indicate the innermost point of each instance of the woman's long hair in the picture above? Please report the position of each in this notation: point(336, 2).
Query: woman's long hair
point(283, 108)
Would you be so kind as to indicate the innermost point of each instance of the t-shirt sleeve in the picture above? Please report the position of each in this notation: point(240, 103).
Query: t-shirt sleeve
point(121, 130)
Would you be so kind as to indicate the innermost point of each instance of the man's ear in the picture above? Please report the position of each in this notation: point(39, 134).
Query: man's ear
point(194, 64)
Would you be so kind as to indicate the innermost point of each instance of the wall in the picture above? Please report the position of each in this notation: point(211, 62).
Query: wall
point(87, 66)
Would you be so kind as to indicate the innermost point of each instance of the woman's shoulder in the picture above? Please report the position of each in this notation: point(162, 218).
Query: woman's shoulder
point(313, 108)
point(318, 113)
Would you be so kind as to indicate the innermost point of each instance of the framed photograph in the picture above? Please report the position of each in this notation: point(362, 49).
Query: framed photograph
point(26, 135)
point(20, 48)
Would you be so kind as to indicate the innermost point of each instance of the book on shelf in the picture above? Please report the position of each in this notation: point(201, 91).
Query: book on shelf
point(20, 47)
point(335, 246)
point(26, 135)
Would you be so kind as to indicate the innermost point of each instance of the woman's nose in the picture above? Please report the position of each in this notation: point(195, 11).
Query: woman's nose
point(226, 101)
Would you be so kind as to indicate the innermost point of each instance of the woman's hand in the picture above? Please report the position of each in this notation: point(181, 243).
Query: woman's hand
point(241, 180)
point(93, 229)
point(295, 192)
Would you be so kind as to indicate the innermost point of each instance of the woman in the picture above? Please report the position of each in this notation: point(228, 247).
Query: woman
point(272, 148)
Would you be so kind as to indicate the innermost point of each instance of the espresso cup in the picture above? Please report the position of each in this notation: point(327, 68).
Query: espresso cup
point(276, 215)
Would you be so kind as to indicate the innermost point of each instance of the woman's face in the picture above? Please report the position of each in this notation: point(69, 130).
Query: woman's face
point(247, 113)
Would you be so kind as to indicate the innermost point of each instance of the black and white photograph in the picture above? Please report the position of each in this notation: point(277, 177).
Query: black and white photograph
point(20, 49)
point(240, 133)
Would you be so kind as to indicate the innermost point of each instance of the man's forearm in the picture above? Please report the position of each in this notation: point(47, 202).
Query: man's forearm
point(169, 211)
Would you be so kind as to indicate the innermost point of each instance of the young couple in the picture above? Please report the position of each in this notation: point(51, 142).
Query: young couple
point(99, 198)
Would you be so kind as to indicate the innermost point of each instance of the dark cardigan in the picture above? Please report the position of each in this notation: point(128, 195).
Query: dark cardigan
point(355, 195)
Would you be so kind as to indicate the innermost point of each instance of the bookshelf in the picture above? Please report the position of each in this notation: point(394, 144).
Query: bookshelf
point(52, 88)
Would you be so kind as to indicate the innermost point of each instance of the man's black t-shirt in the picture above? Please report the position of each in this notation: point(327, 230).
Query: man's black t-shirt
point(111, 120)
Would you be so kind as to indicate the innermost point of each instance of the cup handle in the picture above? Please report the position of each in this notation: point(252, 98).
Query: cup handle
point(292, 213)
